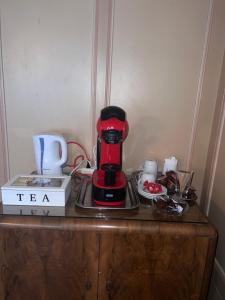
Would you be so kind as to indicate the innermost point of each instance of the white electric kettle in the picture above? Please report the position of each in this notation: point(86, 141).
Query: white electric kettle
point(47, 154)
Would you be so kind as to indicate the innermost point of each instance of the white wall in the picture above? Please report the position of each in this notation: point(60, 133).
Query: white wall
point(214, 189)
point(156, 63)
point(209, 89)
point(47, 57)
point(63, 61)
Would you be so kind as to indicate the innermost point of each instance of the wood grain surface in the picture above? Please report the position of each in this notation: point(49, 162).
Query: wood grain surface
point(68, 258)
point(155, 264)
point(88, 255)
point(42, 263)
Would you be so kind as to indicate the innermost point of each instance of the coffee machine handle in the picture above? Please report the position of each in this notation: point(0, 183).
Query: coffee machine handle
point(63, 144)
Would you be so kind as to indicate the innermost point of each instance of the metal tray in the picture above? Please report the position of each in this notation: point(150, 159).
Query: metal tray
point(84, 197)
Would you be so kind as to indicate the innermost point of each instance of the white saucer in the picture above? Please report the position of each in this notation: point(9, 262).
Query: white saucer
point(149, 195)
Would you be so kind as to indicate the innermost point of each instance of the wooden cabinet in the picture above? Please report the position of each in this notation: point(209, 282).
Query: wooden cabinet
point(155, 261)
point(112, 256)
point(42, 260)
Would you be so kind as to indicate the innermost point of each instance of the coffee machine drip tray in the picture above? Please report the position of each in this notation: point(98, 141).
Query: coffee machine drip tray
point(84, 197)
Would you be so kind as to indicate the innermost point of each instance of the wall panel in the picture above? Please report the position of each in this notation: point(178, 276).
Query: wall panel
point(156, 64)
point(160, 60)
point(209, 91)
point(47, 61)
point(4, 159)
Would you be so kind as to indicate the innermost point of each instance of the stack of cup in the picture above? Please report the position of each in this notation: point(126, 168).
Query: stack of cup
point(149, 171)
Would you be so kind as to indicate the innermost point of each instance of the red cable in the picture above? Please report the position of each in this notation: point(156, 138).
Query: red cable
point(75, 161)
point(79, 145)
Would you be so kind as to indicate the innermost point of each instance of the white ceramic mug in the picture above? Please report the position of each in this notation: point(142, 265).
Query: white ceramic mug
point(47, 153)
point(147, 177)
point(150, 167)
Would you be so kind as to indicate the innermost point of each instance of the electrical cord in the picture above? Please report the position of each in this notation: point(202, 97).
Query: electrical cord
point(77, 167)
point(81, 146)
point(85, 158)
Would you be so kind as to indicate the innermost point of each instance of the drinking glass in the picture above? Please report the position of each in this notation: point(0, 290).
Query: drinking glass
point(184, 182)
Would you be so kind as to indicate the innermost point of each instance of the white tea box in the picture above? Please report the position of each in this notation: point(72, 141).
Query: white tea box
point(37, 190)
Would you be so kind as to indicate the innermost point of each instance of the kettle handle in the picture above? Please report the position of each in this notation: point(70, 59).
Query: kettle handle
point(63, 144)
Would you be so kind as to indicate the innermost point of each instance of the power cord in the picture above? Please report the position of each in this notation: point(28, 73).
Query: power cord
point(81, 159)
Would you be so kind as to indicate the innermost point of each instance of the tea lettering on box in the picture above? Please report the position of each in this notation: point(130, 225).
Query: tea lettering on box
point(32, 197)
point(45, 198)
point(37, 190)
point(20, 196)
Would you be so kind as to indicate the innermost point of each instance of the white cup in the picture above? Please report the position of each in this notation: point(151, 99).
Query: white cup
point(150, 167)
point(147, 177)
point(170, 164)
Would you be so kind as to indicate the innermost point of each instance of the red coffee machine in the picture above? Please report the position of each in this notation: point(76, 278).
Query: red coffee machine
point(109, 182)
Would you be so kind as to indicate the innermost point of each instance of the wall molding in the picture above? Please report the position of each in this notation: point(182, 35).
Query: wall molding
point(211, 167)
point(215, 142)
point(101, 59)
point(109, 52)
point(214, 162)
point(201, 78)
point(94, 69)
point(4, 156)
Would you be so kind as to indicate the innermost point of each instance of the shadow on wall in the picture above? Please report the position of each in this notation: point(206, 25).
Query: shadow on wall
point(144, 133)
point(217, 286)
point(217, 217)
